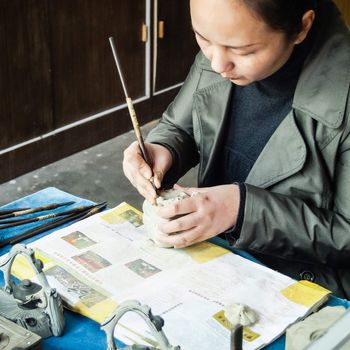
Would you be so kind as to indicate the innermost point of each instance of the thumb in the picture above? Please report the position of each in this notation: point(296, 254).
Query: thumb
point(145, 170)
point(158, 177)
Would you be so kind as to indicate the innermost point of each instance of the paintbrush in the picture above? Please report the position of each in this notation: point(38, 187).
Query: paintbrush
point(35, 210)
point(93, 211)
point(18, 222)
point(52, 224)
point(10, 211)
point(132, 113)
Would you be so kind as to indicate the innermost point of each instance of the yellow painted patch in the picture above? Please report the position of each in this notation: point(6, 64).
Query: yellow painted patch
point(248, 334)
point(220, 317)
point(42, 257)
point(122, 213)
point(205, 251)
point(305, 293)
point(22, 269)
point(99, 312)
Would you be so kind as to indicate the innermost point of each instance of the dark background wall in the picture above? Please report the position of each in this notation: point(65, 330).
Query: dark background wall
point(59, 87)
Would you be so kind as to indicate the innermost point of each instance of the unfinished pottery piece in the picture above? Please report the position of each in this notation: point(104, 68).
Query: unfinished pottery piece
point(240, 314)
point(150, 217)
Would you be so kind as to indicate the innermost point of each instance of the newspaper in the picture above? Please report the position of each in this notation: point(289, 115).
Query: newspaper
point(98, 263)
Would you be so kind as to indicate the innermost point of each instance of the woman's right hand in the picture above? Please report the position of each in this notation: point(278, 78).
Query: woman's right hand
point(139, 173)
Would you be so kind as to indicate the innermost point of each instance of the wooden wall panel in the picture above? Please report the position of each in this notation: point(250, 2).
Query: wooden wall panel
point(57, 146)
point(25, 80)
point(85, 77)
point(344, 7)
point(176, 51)
point(56, 67)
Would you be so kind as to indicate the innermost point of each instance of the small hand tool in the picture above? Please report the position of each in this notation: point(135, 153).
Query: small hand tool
point(154, 322)
point(54, 223)
point(132, 113)
point(10, 211)
point(18, 222)
point(33, 305)
point(35, 210)
point(236, 338)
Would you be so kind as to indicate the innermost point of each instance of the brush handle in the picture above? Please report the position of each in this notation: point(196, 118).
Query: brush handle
point(10, 211)
point(138, 134)
point(132, 113)
point(52, 224)
point(35, 210)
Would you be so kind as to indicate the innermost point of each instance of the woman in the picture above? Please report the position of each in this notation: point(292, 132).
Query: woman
point(265, 113)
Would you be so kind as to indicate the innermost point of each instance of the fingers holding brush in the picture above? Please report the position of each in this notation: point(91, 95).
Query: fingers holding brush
point(145, 179)
point(139, 172)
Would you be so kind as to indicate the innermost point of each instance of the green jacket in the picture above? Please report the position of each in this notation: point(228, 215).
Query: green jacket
point(297, 209)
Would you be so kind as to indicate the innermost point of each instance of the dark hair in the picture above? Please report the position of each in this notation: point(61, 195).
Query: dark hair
point(282, 15)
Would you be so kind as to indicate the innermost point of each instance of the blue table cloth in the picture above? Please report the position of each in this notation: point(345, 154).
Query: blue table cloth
point(81, 332)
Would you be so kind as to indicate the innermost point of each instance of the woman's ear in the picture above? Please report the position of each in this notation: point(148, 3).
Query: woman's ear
point(306, 24)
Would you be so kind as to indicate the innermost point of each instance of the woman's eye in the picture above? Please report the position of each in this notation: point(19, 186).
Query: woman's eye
point(247, 53)
point(199, 38)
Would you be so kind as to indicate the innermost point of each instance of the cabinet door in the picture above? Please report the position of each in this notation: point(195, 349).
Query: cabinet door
point(25, 80)
point(174, 44)
point(86, 81)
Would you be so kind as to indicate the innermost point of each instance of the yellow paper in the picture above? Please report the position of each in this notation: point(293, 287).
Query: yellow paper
point(248, 334)
point(305, 293)
point(98, 312)
point(205, 251)
point(22, 269)
point(122, 213)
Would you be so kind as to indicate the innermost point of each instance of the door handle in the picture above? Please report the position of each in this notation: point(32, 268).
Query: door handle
point(144, 33)
point(160, 29)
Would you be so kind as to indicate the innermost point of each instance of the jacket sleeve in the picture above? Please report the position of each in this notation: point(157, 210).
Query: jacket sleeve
point(288, 227)
point(175, 128)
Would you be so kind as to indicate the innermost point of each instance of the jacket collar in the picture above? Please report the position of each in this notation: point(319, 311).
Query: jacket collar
point(326, 72)
point(271, 166)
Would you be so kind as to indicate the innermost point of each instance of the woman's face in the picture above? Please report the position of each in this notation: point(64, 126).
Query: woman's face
point(240, 46)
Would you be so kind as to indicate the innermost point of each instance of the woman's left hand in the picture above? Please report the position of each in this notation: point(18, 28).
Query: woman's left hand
point(206, 213)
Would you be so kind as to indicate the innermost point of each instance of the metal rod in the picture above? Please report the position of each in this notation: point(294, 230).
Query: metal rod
point(116, 59)
point(132, 113)
point(236, 339)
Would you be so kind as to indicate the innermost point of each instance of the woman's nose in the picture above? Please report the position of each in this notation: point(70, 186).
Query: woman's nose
point(220, 61)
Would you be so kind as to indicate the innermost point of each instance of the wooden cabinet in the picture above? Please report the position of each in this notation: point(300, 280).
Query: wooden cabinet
point(25, 77)
point(60, 91)
point(344, 7)
point(85, 79)
point(174, 45)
